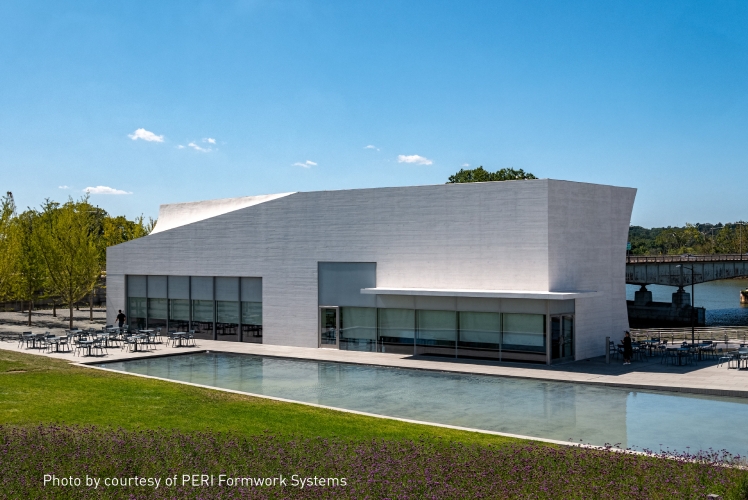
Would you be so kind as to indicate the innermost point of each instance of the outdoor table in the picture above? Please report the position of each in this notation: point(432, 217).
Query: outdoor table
point(136, 339)
point(88, 344)
point(36, 337)
point(649, 345)
point(105, 336)
point(680, 350)
point(179, 336)
point(55, 341)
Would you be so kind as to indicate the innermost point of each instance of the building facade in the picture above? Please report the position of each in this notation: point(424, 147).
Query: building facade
point(520, 270)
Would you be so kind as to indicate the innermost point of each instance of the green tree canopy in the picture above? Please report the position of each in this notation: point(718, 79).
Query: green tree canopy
point(481, 175)
point(7, 251)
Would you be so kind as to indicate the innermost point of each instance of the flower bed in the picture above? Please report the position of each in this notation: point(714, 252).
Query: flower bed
point(343, 468)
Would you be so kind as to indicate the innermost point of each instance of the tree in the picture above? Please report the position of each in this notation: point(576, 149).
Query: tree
point(70, 248)
point(30, 272)
point(481, 175)
point(7, 214)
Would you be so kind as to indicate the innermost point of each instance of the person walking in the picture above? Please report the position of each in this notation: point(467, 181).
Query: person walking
point(628, 350)
point(121, 318)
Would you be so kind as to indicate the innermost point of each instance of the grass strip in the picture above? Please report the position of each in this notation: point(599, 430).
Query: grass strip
point(239, 467)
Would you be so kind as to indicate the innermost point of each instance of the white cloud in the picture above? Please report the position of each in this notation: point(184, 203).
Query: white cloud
point(63, 187)
point(209, 140)
point(180, 147)
point(371, 147)
point(144, 134)
point(104, 190)
point(198, 148)
point(416, 159)
point(465, 165)
point(306, 164)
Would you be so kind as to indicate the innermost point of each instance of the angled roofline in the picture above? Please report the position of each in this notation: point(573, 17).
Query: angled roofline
point(176, 215)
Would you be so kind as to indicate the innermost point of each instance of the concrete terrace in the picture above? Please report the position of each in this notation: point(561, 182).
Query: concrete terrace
point(704, 377)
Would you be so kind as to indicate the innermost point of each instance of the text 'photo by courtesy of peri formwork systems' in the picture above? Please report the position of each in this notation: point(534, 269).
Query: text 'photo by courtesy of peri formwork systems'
point(195, 481)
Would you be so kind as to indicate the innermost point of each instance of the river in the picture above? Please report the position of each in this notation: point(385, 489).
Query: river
point(720, 298)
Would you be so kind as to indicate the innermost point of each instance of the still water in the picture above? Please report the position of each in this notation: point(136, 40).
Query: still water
point(720, 298)
point(553, 410)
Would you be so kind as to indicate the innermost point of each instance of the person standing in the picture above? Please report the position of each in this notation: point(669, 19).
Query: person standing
point(121, 318)
point(628, 350)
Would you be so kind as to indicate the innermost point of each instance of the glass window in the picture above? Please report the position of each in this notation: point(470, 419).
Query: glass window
point(437, 328)
point(358, 329)
point(397, 328)
point(252, 313)
point(158, 310)
point(136, 313)
point(480, 330)
point(202, 318)
point(437, 333)
point(227, 320)
point(179, 315)
point(252, 322)
point(524, 332)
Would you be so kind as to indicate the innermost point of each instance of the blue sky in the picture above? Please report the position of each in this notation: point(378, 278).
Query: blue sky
point(287, 95)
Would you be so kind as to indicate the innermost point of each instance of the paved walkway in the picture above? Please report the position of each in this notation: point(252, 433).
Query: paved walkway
point(704, 377)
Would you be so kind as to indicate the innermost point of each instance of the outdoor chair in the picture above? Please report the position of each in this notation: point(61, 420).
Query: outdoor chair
point(78, 347)
point(129, 342)
point(612, 351)
point(742, 357)
point(64, 343)
point(725, 358)
point(98, 345)
point(25, 338)
point(191, 338)
point(170, 338)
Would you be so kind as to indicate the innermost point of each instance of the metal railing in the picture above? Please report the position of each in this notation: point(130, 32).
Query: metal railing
point(657, 259)
point(726, 334)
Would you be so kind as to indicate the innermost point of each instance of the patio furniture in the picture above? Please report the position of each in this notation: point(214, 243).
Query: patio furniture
point(612, 351)
point(25, 338)
point(742, 357)
point(170, 338)
point(130, 342)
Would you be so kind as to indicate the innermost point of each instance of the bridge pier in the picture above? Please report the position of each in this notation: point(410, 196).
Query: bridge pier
point(642, 296)
point(644, 312)
point(681, 298)
point(744, 296)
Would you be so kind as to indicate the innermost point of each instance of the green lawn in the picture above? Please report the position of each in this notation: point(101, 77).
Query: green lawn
point(67, 421)
point(36, 389)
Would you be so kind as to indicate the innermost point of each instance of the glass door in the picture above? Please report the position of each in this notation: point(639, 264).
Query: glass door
point(329, 327)
point(562, 338)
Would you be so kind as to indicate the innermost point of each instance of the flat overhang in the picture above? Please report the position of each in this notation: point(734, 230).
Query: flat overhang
point(489, 294)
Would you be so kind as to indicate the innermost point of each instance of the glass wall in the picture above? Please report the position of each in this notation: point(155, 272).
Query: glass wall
point(437, 333)
point(358, 329)
point(227, 320)
point(480, 335)
point(136, 313)
point(524, 332)
point(202, 319)
point(252, 322)
point(158, 312)
point(179, 315)
point(397, 330)
point(209, 305)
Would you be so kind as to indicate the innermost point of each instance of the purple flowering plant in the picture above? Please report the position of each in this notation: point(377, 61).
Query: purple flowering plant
point(398, 469)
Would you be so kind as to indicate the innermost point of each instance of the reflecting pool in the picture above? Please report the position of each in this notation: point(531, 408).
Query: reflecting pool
point(553, 410)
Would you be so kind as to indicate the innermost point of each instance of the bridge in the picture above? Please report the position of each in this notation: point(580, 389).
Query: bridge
point(675, 270)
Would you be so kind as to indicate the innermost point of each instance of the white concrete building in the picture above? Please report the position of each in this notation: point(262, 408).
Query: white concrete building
point(520, 270)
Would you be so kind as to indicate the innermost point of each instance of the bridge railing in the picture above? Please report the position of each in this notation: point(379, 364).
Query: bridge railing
point(725, 334)
point(663, 259)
